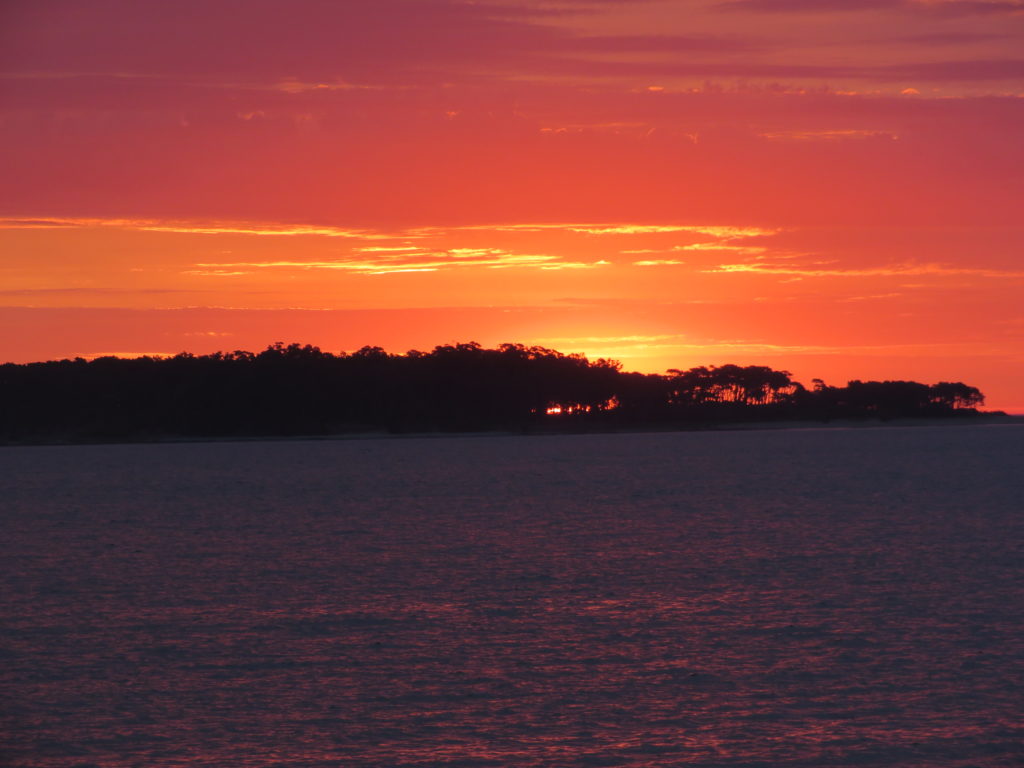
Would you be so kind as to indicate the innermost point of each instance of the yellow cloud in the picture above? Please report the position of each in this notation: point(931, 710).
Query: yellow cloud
point(215, 272)
point(895, 270)
point(492, 258)
point(192, 227)
point(828, 135)
point(713, 230)
point(281, 229)
point(751, 249)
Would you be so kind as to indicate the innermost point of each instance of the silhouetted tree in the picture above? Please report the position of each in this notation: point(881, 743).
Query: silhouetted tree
point(956, 394)
point(749, 385)
point(298, 389)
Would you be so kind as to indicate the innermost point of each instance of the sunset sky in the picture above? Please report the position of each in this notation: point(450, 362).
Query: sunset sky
point(832, 187)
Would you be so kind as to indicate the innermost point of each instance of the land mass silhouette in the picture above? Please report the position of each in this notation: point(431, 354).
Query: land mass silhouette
point(300, 390)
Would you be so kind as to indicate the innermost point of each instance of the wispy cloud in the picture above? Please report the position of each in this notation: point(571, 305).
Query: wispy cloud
point(893, 270)
point(715, 246)
point(723, 232)
point(940, 7)
point(426, 249)
point(272, 229)
point(657, 43)
point(967, 7)
point(726, 246)
point(491, 258)
point(598, 228)
point(89, 290)
point(833, 135)
point(805, 6)
point(281, 229)
point(216, 272)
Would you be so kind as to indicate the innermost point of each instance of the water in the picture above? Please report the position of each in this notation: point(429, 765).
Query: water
point(782, 598)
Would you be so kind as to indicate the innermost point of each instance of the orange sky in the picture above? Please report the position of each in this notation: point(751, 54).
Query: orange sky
point(833, 187)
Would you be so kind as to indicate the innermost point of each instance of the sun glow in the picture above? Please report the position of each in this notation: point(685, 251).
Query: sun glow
point(569, 409)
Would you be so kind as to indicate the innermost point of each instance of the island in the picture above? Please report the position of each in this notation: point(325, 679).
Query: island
point(300, 390)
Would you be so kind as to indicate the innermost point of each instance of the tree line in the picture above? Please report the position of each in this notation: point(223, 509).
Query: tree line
point(302, 390)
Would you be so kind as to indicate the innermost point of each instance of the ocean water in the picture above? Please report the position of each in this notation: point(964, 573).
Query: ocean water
point(828, 597)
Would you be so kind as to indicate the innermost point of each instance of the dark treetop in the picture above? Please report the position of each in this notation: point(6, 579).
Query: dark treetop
point(301, 390)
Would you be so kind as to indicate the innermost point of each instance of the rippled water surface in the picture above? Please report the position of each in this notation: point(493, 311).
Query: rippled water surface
point(779, 598)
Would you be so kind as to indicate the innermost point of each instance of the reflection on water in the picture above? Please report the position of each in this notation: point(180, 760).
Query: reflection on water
point(803, 598)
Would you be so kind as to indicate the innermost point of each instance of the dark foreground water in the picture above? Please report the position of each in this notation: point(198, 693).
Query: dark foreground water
point(792, 598)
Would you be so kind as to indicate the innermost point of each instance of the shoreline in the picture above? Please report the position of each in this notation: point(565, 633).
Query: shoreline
point(996, 418)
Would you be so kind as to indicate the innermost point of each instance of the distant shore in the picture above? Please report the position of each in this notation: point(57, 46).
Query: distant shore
point(983, 418)
point(995, 418)
point(302, 392)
